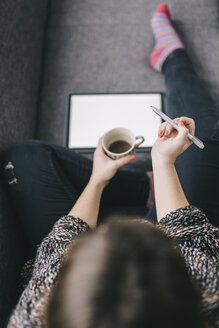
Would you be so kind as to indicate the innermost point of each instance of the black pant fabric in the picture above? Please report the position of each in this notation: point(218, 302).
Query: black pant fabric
point(198, 169)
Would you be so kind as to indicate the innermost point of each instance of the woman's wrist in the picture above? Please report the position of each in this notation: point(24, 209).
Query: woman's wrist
point(169, 194)
point(87, 205)
point(97, 183)
point(159, 162)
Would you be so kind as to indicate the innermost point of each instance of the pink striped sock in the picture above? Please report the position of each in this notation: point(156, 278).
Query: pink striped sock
point(166, 38)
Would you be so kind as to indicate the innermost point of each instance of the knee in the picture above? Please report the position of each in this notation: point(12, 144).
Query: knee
point(23, 150)
point(23, 154)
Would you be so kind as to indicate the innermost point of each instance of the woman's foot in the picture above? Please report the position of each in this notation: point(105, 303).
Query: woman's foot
point(166, 38)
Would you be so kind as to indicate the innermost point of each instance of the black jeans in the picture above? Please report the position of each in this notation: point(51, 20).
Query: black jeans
point(45, 180)
point(198, 169)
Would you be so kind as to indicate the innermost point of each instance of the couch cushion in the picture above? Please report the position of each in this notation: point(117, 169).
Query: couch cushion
point(21, 34)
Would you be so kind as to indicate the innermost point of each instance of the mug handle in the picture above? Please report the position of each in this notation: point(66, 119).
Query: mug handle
point(138, 143)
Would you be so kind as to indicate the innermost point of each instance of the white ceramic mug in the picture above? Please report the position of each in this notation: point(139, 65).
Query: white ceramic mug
point(120, 134)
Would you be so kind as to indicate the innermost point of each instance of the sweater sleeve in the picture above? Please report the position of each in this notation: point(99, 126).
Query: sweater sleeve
point(198, 241)
point(50, 255)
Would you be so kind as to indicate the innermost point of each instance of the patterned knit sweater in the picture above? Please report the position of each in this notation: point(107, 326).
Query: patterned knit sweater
point(198, 241)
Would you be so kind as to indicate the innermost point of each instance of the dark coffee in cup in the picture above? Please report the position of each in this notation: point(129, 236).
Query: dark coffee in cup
point(119, 146)
point(120, 142)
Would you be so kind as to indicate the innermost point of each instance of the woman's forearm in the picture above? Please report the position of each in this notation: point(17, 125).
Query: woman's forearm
point(88, 204)
point(169, 194)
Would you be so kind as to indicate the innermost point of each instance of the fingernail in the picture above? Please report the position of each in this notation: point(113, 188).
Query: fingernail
point(181, 123)
point(166, 133)
point(131, 157)
point(161, 133)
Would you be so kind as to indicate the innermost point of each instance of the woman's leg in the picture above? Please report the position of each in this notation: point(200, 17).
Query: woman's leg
point(39, 190)
point(187, 96)
point(198, 170)
point(45, 181)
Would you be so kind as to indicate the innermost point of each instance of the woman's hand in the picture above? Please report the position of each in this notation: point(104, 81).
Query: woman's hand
point(104, 168)
point(170, 142)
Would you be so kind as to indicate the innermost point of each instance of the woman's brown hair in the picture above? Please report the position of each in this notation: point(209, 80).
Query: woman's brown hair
point(126, 274)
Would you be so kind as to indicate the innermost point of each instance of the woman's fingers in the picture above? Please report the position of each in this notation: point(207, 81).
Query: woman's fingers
point(166, 128)
point(182, 137)
point(123, 161)
point(99, 148)
point(99, 145)
point(189, 124)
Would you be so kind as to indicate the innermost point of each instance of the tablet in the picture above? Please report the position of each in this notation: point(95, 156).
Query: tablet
point(91, 115)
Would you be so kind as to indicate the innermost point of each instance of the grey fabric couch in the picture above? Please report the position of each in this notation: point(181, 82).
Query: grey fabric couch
point(51, 48)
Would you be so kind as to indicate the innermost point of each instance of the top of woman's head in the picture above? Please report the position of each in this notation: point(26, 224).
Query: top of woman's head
point(126, 274)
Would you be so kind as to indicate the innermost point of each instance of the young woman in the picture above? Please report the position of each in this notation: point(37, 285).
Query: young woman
point(125, 273)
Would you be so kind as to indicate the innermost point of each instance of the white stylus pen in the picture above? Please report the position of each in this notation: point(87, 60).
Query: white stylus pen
point(166, 118)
